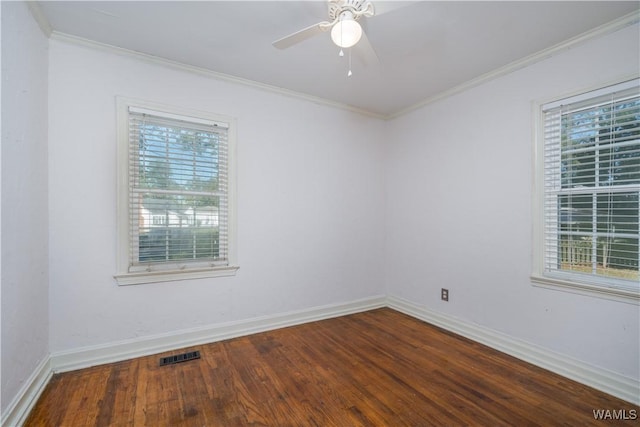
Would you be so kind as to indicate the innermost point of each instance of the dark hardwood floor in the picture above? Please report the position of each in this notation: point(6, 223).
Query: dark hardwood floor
point(378, 368)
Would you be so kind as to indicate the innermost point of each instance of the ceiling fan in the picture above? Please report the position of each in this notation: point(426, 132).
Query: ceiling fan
point(346, 31)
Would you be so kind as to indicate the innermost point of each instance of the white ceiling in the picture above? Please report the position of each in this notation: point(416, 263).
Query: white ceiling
point(424, 47)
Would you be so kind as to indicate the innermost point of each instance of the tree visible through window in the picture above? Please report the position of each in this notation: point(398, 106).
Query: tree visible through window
point(178, 191)
point(592, 187)
point(178, 181)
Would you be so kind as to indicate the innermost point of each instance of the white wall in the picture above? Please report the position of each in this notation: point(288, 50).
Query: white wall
point(310, 203)
point(25, 294)
point(327, 199)
point(459, 210)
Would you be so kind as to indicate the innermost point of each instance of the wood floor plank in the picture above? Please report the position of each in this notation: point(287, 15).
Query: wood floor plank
point(388, 369)
point(117, 403)
point(377, 368)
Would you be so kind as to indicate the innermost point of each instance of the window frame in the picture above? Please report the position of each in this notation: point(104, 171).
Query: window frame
point(126, 277)
point(601, 287)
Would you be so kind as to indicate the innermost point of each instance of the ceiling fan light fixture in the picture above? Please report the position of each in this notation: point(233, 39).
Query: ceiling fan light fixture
point(346, 32)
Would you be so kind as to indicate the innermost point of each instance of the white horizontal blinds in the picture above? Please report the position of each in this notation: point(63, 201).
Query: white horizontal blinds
point(592, 187)
point(178, 186)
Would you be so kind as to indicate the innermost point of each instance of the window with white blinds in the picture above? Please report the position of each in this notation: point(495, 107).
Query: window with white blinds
point(177, 194)
point(591, 201)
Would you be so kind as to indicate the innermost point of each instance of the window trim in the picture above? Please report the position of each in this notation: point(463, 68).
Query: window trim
point(538, 277)
point(123, 276)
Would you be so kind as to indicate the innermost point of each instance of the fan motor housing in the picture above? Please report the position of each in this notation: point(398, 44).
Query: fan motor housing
point(336, 7)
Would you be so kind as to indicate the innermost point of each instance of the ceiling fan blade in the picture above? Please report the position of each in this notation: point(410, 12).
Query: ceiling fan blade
point(382, 7)
point(302, 35)
point(365, 52)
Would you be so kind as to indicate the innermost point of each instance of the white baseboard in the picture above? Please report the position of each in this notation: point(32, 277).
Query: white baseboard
point(601, 379)
point(609, 382)
point(19, 408)
point(128, 349)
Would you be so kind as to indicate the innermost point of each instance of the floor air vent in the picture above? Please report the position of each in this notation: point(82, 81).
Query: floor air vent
point(178, 358)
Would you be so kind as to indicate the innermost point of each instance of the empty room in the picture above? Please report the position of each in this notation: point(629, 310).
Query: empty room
point(320, 213)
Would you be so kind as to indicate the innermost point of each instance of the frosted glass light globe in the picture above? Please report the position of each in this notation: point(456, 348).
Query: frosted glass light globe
point(347, 32)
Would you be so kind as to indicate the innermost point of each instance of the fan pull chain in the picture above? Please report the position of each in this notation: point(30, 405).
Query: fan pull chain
point(341, 54)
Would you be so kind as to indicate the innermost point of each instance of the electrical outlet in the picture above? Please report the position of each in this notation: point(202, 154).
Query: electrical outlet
point(444, 294)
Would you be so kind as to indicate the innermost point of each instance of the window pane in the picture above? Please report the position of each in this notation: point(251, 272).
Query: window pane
point(575, 253)
point(578, 169)
point(618, 213)
point(619, 139)
point(575, 227)
point(618, 217)
point(174, 227)
point(618, 257)
point(173, 158)
point(592, 185)
point(620, 165)
point(178, 214)
point(601, 144)
point(579, 133)
point(576, 213)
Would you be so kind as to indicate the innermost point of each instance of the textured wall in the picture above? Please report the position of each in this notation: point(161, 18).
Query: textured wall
point(310, 203)
point(25, 274)
point(459, 209)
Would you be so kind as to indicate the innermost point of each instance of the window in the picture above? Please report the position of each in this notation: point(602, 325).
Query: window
point(175, 194)
point(589, 177)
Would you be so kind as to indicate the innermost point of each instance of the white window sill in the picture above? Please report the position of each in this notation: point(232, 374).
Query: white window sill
point(628, 296)
point(173, 275)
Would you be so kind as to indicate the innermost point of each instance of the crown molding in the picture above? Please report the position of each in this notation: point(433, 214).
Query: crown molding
point(39, 17)
point(608, 28)
point(157, 60)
